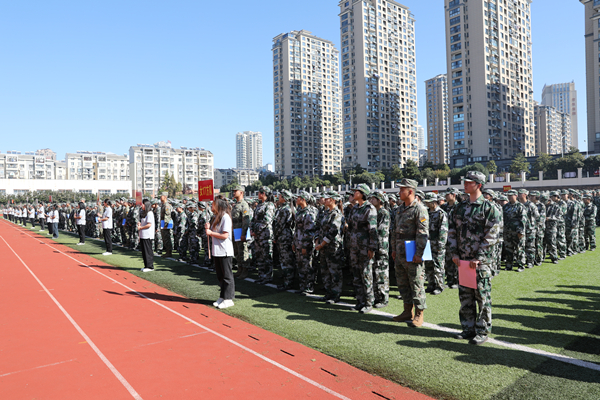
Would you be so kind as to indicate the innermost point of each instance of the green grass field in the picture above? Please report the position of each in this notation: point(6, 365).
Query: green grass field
point(552, 307)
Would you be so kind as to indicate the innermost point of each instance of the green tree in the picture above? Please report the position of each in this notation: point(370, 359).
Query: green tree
point(170, 185)
point(492, 167)
point(570, 163)
point(428, 174)
point(592, 164)
point(519, 164)
point(546, 164)
point(411, 171)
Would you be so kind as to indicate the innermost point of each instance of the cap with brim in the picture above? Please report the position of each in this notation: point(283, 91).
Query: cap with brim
point(363, 188)
point(332, 195)
point(286, 194)
point(382, 197)
point(265, 190)
point(523, 191)
point(564, 191)
point(502, 197)
point(238, 187)
point(430, 197)
point(534, 193)
point(305, 195)
point(511, 193)
point(490, 192)
point(410, 183)
point(475, 176)
point(420, 193)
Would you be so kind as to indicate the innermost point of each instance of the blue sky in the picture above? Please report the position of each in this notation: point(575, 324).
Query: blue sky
point(102, 76)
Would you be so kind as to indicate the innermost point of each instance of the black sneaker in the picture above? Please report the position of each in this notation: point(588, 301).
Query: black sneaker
point(464, 335)
point(478, 340)
point(358, 306)
point(282, 287)
point(554, 261)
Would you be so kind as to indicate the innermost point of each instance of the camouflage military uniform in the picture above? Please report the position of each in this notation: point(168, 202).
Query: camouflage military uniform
point(589, 214)
point(191, 234)
point(515, 222)
point(472, 233)
point(572, 227)
point(533, 216)
point(561, 239)
point(581, 231)
point(304, 240)
point(158, 243)
point(554, 216)
point(283, 233)
point(381, 259)
point(165, 232)
point(438, 235)
point(123, 225)
point(132, 220)
point(117, 217)
point(450, 269)
point(540, 253)
point(498, 247)
point(179, 226)
point(241, 214)
point(411, 223)
point(332, 255)
point(362, 228)
point(261, 228)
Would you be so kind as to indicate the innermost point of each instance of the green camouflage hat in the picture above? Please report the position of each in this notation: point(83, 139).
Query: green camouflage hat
point(587, 196)
point(286, 194)
point(332, 195)
point(410, 183)
point(265, 190)
point(475, 176)
point(305, 195)
point(512, 192)
point(238, 187)
point(564, 191)
point(430, 197)
point(382, 197)
point(523, 191)
point(420, 193)
point(490, 192)
point(363, 188)
point(502, 197)
point(534, 193)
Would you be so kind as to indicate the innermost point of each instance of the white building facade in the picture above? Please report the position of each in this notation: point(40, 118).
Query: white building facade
point(249, 150)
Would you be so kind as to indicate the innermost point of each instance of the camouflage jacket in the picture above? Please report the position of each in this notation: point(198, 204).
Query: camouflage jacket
point(589, 214)
point(554, 215)
point(165, 213)
point(383, 230)
point(241, 215)
point(541, 223)
point(305, 228)
point(571, 215)
point(473, 232)
point(438, 229)
point(533, 215)
point(563, 206)
point(283, 224)
point(179, 223)
point(362, 227)
point(515, 218)
point(263, 217)
point(321, 210)
point(410, 223)
point(192, 224)
point(331, 229)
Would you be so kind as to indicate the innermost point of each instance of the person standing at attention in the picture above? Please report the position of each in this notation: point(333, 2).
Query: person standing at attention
point(107, 226)
point(222, 251)
point(147, 231)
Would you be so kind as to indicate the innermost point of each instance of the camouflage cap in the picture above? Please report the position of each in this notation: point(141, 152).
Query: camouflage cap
point(534, 193)
point(265, 190)
point(554, 193)
point(420, 193)
point(332, 195)
point(363, 188)
point(430, 197)
point(573, 191)
point(475, 176)
point(511, 192)
point(238, 187)
point(502, 197)
point(490, 192)
point(166, 194)
point(587, 196)
point(286, 194)
point(523, 191)
point(305, 195)
point(410, 183)
point(382, 197)
point(202, 205)
point(392, 197)
point(564, 191)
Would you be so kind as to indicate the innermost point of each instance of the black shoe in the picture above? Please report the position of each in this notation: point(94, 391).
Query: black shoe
point(283, 287)
point(465, 335)
point(325, 298)
point(299, 291)
point(365, 310)
point(306, 292)
point(358, 306)
point(429, 290)
point(437, 291)
point(478, 340)
point(554, 261)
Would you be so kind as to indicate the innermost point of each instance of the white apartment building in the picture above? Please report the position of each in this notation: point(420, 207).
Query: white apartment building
point(27, 165)
point(90, 165)
point(248, 149)
point(488, 50)
point(592, 69)
point(149, 164)
point(379, 86)
point(438, 129)
point(563, 97)
point(552, 130)
point(306, 97)
point(244, 177)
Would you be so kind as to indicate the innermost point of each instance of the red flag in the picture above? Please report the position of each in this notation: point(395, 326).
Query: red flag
point(50, 198)
point(205, 190)
point(138, 198)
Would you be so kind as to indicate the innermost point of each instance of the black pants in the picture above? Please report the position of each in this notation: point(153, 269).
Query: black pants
point(55, 230)
point(81, 231)
point(50, 227)
point(108, 239)
point(223, 267)
point(147, 252)
point(42, 220)
point(32, 222)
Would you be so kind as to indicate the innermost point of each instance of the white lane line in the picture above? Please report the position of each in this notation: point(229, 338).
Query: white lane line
point(33, 369)
point(111, 367)
point(249, 350)
point(168, 340)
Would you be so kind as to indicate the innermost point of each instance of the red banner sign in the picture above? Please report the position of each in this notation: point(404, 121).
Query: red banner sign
point(138, 198)
point(507, 188)
point(206, 191)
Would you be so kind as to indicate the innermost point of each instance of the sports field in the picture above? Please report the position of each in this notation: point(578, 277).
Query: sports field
point(546, 328)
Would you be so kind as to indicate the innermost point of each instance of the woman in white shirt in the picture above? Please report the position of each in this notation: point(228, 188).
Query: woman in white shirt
point(107, 226)
point(54, 220)
point(147, 230)
point(79, 216)
point(32, 216)
point(222, 251)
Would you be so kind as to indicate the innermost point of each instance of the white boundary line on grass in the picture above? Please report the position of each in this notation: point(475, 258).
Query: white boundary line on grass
point(111, 367)
point(513, 346)
point(268, 360)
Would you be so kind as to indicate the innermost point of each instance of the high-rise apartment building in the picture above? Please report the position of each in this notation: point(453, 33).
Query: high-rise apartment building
point(379, 89)
point(421, 143)
point(592, 72)
point(552, 130)
point(438, 142)
point(248, 147)
point(306, 97)
point(488, 50)
point(149, 164)
point(28, 165)
point(563, 97)
point(97, 165)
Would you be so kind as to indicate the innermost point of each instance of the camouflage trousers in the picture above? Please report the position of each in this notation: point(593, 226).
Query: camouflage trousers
point(515, 250)
point(451, 271)
point(411, 280)
point(306, 272)
point(561, 241)
point(331, 263)
point(530, 248)
point(205, 247)
point(550, 238)
point(124, 240)
point(240, 251)
point(381, 277)
point(116, 234)
point(362, 272)
point(177, 242)
point(472, 299)
point(497, 257)
point(287, 261)
point(540, 249)
point(582, 237)
point(134, 238)
point(167, 241)
point(263, 254)
point(590, 237)
point(193, 247)
point(572, 236)
point(434, 270)
point(158, 243)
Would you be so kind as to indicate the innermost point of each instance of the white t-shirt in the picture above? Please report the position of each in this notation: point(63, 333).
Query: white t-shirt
point(108, 224)
point(54, 216)
point(81, 221)
point(31, 213)
point(148, 233)
point(223, 248)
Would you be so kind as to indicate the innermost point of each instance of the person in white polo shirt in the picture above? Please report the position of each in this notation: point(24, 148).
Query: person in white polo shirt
point(80, 218)
point(107, 226)
point(147, 230)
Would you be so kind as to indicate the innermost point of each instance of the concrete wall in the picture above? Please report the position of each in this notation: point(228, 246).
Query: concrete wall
point(32, 185)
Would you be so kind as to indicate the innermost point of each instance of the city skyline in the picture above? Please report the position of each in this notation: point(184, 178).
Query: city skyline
point(146, 79)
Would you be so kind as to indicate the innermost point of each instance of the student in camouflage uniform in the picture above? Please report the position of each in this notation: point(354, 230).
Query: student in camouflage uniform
point(473, 232)
point(261, 230)
point(381, 259)
point(203, 218)
point(491, 196)
point(283, 238)
point(561, 235)
point(589, 215)
point(330, 250)
point(304, 242)
point(540, 253)
point(450, 269)
point(515, 225)
point(165, 219)
point(123, 222)
point(531, 228)
point(363, 242)
point(581, 219)
point(410, 223)
point(241, 215)
point(554, 216)
point(133, 217)
point(158, 245)
point(191, 233)
point(179, 226)
point(571, 223)
point(438, 235)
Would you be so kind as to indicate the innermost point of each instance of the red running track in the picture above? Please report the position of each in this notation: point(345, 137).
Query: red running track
point(75, 328)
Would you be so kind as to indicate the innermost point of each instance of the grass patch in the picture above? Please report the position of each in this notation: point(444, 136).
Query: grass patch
point(552, 307)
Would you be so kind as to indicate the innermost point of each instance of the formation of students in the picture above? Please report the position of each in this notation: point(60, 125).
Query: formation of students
point(309, 237)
